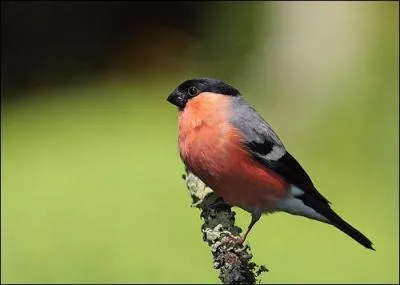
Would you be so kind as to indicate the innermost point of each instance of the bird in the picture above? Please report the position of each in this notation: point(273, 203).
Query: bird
point(228, 145)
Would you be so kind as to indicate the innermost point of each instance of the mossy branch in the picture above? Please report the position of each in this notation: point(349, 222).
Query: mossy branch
point(232, 260)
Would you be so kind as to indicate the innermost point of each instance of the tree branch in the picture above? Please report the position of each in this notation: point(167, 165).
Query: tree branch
point(219, 231)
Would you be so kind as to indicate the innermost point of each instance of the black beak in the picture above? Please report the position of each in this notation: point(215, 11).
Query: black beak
point(177, 99)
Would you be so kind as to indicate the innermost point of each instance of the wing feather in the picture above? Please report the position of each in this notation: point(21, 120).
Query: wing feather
point(267, 148)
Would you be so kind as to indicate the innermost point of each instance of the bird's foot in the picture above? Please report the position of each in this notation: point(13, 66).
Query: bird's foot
point(235, 240)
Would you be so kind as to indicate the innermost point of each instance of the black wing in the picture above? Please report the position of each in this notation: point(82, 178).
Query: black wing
point(286, 166)
point(268, 149)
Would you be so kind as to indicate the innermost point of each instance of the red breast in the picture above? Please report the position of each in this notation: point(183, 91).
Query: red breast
point(212, 149)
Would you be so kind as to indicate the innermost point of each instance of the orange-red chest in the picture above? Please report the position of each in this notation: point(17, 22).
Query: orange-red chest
point(212, 149)
point(204, 131)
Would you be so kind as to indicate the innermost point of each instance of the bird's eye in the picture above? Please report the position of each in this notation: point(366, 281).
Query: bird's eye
point(192, 91)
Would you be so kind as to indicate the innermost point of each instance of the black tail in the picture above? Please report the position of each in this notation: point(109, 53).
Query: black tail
point(324, 209)
point(349, 230)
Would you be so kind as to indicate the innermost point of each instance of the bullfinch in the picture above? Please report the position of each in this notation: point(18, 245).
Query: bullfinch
point(233, 150)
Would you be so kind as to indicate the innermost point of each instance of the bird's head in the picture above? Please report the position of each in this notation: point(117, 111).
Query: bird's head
point(194, 87)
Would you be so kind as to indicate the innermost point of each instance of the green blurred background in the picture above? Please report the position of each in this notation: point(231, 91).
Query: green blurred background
point(91, 187)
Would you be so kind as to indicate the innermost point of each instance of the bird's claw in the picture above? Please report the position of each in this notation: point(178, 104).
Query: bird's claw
point(234, 240)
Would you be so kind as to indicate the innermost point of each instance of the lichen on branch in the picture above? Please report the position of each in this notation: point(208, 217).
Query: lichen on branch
point(219, 231)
